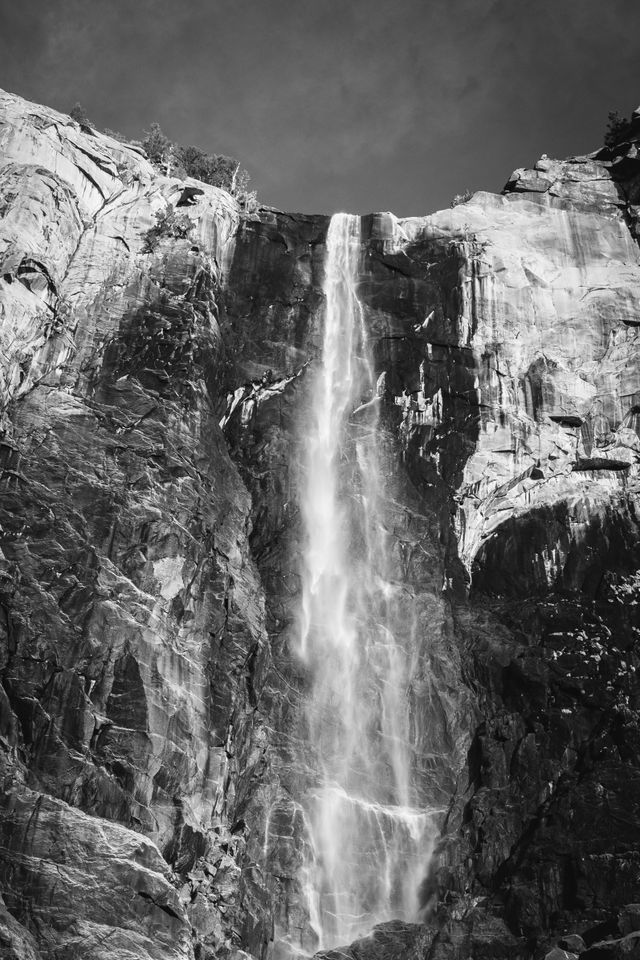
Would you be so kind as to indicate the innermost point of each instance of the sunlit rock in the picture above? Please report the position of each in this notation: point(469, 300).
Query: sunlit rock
point(158, 395)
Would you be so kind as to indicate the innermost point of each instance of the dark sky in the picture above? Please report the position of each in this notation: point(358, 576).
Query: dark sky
point(354, 105)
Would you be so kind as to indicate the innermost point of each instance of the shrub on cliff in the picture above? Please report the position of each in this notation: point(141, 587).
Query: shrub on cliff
point(462, 197)
point(215, 169)
point(617, 129)
point(79, 114)
point(168, 224)
point(157, 146)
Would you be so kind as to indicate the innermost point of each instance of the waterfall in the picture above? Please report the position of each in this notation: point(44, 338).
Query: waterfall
point(369, 836)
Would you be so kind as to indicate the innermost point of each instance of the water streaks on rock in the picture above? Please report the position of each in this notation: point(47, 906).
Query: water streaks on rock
point(156, 403)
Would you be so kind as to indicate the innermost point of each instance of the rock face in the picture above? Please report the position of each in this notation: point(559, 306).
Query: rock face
point(133, 621)
point(156, 345)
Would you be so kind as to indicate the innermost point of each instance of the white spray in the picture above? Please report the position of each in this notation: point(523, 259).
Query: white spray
point(369, 839)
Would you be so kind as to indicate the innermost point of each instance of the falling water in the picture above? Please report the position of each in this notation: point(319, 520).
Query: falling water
point(369, 837)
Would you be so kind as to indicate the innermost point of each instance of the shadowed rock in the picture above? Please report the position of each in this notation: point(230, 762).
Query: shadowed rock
point(151, 736)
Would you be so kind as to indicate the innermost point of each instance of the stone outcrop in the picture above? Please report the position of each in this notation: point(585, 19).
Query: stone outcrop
point(157, 344)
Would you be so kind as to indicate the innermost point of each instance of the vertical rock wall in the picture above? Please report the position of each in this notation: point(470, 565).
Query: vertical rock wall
point(154, 394)
point(504, 332)
point(133, 617)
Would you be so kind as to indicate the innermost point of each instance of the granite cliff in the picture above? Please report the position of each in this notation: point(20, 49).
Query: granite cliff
point(156, 342)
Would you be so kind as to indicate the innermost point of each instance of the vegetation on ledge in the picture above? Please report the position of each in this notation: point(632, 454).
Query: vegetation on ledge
point(462, 197)
point(617, 129)
point(176, 160)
